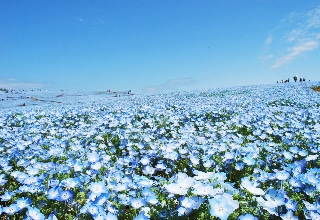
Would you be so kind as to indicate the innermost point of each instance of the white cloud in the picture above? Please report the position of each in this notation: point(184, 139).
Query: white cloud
point(16, 84)
point(79, 19)
point(297, 33)
point(268, 40)
point(313, 17)
point(295, 51)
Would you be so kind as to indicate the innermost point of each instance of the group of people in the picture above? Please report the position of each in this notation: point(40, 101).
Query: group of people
point(295, 78)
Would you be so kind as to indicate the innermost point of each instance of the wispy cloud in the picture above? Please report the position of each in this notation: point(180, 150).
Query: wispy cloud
point(79, 19)
point(295, 51)
point(268, 40)
point(296, 34)
point(171, 85)
point(16, 84)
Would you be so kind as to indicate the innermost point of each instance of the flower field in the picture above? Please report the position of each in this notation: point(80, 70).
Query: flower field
point(239, 153)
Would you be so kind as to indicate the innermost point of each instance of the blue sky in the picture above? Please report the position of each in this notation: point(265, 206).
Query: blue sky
point(153, 45)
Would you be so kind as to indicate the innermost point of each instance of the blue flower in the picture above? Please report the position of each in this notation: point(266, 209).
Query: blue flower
point(35, 214)
point(70, 182)
point(54, 193)
point(294, 182)
point(239, 166)
point(52, 217)
point(98, 188)
point(102, 199)
point(23, 202)
point(12, 209)
point(289, 216)
point(7, 196)
point(141, 216)
point(137, 203)
point(93, 157)
point(222, 206)
point(176, 188)
point(183, 211)
point(65, 195)
point(111, 216)
point(291, 205)
point(2, 179)
point(252, 187)
point(282, 175)
point(249, 160)
point(314, 215)
point(187, 202)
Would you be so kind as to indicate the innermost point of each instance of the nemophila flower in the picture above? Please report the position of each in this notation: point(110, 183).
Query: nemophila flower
point(152, 199)
point(70, 182)
point(294, 182)
point(222, 206)
point(12, 209)
point(252, 187)
point(310, 190)
point(2, 179)
point(183, 211)
point(4, 162)
point(137, 203)
point(239, 166)
point(175, 188)
point(287, 155)
point(55, 151)
point(276, 196)
point(249, 160)
point(310, 178)
point(121, 187)
point(148, 170)
point(96, 165)
point(54, 193)
point(145, 160)
point(199, 175)
point(93, 157)
point(7, 196)
point(141, 216)
point(110, 216)
point(65, 195)
point(303, 153)
point(112, 208)
point(282, 175)
point(289, 216)
point(291, 204)
point(191, 203)
point(93, 209)
point(23, 202)
point(53, 183)
point(314, 215)
point(228, 156)
point(31, 180)
point(102, 199)
point(247, 217)
point(32, 171)
point(208, 163)
point(311, 157)
point(204, 190)
point(98, 188)
point(52, 217)
point(268, 205)
point(35, 214)
point(310, 206)
point(184, 180)
point(220, 177)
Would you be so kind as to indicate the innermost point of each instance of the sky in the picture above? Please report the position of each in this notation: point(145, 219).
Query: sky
point(152, 46)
